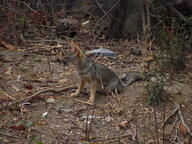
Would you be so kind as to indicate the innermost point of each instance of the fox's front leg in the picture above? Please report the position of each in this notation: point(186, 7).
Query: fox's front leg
point(80, 87)
point(92, 93)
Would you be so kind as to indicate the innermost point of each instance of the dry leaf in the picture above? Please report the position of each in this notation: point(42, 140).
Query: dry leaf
point(182, 130)
point(20, 127)
point(8, 46)
point(148, 59)
point(123, 124)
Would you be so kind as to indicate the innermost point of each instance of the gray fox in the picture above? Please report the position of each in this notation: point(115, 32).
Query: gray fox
point(100, 77)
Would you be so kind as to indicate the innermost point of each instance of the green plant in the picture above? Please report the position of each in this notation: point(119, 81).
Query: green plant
point(155, 91)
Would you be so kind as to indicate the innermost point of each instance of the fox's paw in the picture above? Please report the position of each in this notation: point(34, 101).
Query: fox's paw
point(85, 102)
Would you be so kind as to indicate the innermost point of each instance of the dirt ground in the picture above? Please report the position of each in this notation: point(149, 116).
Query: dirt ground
point(56, 118)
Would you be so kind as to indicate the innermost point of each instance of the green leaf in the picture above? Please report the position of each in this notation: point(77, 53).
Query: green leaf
point(22, 20)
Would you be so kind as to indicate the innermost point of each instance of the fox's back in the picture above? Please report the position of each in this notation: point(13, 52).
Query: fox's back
point(109, 79)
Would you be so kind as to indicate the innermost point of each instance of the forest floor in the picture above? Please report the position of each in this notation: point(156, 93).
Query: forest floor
point(55, 118)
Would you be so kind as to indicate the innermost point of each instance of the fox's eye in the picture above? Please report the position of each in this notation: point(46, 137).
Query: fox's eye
point(89, 56)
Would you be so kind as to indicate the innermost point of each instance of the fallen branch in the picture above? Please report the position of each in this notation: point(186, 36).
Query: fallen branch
point(7, 95)
point(115, 138)
point(54, 90)
point(169, 118)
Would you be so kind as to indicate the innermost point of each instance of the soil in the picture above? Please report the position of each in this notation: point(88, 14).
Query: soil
point(56, 118)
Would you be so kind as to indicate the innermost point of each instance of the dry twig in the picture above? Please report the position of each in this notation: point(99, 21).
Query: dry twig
point(7, 95)
point(54, 90)
point(170, 117)
point(118, 137)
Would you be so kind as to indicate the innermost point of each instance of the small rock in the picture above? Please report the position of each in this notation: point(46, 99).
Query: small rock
point(44, 114)
point(18, 78)
point(135, 51)
point(66, 120)
point(153, 79)
point(67, 27)
point(108, 119)
point(50, 100)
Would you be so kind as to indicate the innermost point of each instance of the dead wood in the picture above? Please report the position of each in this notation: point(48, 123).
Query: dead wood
point(118, 137)
point(170, 117)
point(54, 90)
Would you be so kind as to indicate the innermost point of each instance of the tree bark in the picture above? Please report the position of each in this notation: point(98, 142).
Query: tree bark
point(126, 19)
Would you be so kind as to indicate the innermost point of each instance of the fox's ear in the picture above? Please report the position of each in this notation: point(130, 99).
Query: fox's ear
point(78, 52)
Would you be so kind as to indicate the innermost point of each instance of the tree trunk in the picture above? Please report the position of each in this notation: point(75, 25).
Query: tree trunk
point(126, 20)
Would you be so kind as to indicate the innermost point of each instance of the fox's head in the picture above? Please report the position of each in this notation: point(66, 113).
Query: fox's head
point(81, 60)
point(78, 52)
